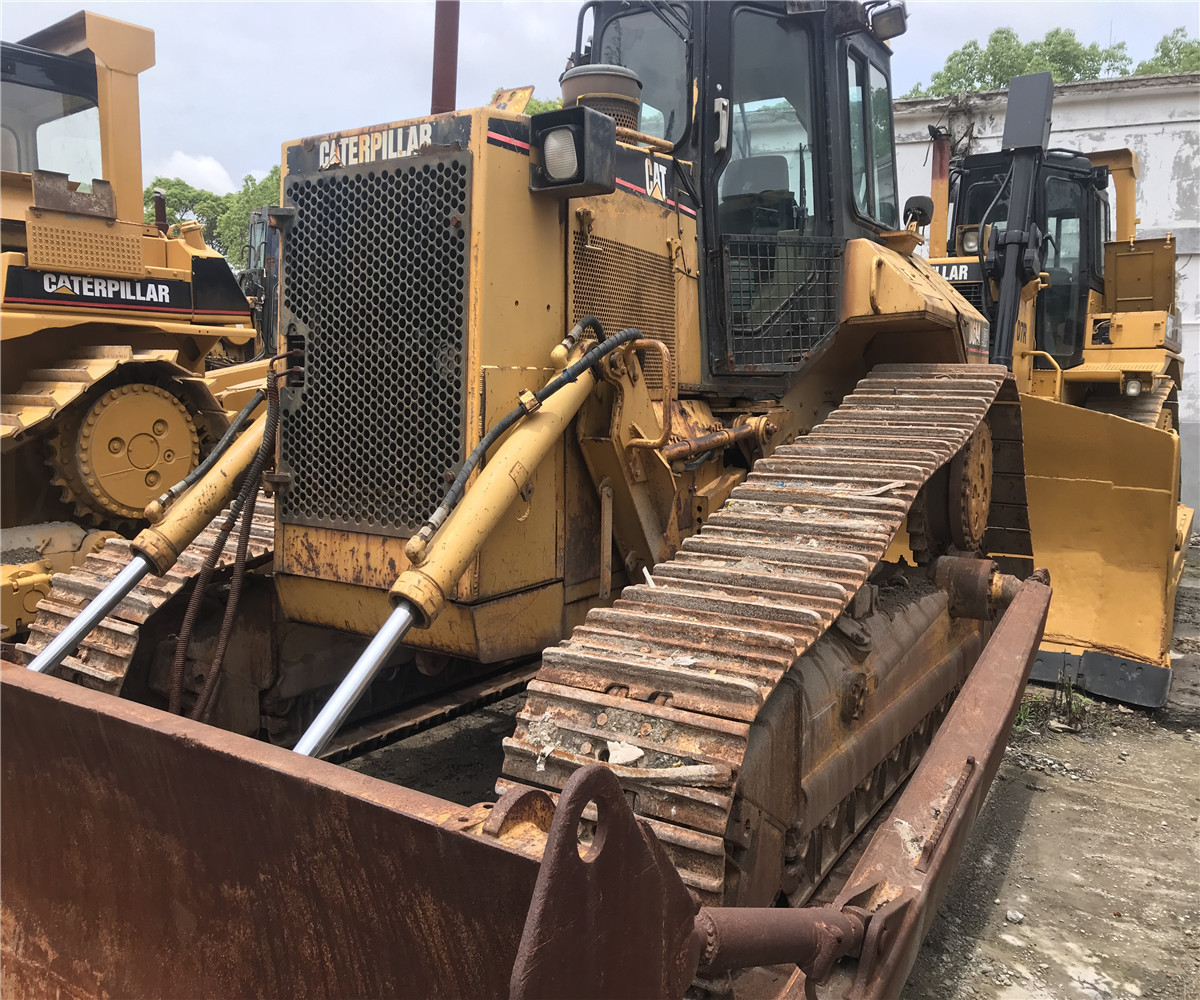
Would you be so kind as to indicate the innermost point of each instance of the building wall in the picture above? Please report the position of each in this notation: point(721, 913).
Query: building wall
point(1158, 117)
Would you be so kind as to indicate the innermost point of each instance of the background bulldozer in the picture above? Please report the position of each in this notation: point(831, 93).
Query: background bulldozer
point(648, 399)
point(107, 321)
point(1096, 354)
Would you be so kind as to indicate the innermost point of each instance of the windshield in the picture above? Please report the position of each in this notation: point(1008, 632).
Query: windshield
point(656, 52)
point(45, 130)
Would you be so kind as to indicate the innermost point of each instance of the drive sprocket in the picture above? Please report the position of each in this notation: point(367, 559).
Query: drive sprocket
point(121, 449)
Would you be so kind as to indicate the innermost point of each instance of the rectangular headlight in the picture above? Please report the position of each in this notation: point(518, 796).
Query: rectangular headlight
point(572, 152)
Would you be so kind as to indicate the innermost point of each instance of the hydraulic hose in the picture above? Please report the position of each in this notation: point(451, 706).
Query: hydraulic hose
point(565, 377)
point(155, 510)
point(250, 491)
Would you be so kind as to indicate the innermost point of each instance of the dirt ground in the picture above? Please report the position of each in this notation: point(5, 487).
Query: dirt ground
point(1081, 877)
point(1091, 838)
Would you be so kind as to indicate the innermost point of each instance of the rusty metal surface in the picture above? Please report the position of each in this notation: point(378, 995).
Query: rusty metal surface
point(812, 938)
point(147, 855)
point(445, 57)
point(609, 917)
point(104, 657)
point(679, 669)
point(905, 870)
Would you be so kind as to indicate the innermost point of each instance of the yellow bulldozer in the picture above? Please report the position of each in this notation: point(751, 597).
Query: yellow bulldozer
point(647, 403)
point(1097, 357)
point(107, 321)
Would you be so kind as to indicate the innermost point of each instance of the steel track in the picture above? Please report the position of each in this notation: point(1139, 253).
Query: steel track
point(104, 657)
point(680, 669)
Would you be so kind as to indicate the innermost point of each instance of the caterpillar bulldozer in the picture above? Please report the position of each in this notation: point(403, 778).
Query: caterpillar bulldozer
point(107, 321)
point(1097, 358)
point(646, 406)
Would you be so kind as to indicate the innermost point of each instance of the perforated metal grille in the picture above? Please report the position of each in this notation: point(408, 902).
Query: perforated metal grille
point(375, 270)
point(624, 112)
point(55, 247)
point(782, 299)
point(623, 286)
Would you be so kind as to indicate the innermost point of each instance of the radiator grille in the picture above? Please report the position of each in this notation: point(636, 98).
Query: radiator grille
point(782, 299)
point(375, 270)
point(624, 286)
point(972, 291)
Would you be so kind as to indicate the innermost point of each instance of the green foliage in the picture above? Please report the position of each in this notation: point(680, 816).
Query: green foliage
point(990, 67)
point(225, 217)
point(536, 107)
point(186, 203)
point(233, 227)
point(1174, 53)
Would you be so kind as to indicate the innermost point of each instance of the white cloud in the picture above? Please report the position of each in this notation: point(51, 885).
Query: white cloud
point(199, 171)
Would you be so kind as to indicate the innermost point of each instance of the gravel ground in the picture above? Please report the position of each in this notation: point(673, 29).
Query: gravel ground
point(1081, 876)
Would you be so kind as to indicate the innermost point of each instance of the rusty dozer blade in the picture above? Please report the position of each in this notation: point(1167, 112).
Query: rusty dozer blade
point(148, 855)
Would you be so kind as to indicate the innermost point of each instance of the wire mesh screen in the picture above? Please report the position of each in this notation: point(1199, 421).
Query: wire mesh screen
point(375, 269)
point(782, 299)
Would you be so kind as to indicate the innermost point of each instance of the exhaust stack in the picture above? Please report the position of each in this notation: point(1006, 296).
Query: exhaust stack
point(445, 57)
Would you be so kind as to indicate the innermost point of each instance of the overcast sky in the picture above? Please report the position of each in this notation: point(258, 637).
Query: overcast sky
point(234, 80)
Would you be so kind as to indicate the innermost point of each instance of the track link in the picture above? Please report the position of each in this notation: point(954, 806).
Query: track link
point(104, 657)
point(1146, 408)
point(678, 670)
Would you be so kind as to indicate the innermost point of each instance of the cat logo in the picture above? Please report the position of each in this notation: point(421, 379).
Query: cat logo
point(656, 179)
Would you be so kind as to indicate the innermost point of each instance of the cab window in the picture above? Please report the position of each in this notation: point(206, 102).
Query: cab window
point(872, 143)
point(654, 48)
point(46, 130)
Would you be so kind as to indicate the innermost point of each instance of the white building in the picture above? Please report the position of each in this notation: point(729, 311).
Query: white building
point(1158, 117)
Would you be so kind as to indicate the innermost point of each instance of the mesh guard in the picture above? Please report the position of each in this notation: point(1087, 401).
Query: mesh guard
point(782, 299)
point(375, 280)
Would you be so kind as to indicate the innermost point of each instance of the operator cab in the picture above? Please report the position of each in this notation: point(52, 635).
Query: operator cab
point(50, 119)
point(780, 117)
point(1071, 207)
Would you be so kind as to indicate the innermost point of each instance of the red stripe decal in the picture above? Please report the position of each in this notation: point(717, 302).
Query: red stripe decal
point(508, 140)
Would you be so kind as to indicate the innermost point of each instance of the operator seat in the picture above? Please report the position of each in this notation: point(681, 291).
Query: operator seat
point(756, 197)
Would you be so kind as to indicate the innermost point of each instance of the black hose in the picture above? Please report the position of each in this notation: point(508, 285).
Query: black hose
point(211, 458)
point(249, 492)
point(183, 640)
point(980, 249)
point(567, 376)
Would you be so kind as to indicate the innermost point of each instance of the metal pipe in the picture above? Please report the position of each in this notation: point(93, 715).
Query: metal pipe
point(744, 937)
point(356, 681)
point(718, 439)
point(112, 595)
point(445, 57)
point(939, 226)
point(606, 539)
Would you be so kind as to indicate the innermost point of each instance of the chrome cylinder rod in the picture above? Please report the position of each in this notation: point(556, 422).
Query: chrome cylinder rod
point(357, 681)
point(91, 616)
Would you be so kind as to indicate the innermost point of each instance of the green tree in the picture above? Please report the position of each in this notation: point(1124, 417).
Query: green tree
point(1174, 53)
point(990, 67)
point(536, 107)
point(225, 217)
point(185, 204)
point(233, 225)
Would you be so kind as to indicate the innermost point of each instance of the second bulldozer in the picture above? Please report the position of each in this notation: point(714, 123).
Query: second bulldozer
point(1093, 339)
point(107, 321)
